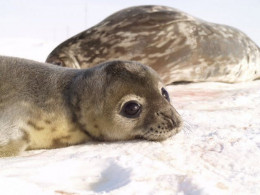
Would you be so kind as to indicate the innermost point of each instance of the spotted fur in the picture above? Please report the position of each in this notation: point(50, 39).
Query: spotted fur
point(177, 45)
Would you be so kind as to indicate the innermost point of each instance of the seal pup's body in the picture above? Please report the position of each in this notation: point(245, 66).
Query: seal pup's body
point(175, 44)
point(46, 106)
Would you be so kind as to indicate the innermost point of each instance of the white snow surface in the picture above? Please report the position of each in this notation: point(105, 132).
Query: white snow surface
point(217, 152)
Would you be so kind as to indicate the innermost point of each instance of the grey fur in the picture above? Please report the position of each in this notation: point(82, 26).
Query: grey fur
point(46, 106)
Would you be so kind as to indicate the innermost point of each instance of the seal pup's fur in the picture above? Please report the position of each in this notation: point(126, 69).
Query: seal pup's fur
point(46, 106)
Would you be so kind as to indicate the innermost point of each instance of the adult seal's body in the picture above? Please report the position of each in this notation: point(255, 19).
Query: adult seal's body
point(46, 106)
point(178, 46)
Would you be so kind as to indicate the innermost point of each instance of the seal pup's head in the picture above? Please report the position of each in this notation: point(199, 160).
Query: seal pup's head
point(122, 100)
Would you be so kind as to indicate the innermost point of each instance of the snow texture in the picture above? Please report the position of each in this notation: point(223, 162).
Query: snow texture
point(218, 151)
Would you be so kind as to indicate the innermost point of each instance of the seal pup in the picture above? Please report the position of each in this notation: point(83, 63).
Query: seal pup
point(46, 106)
point(177, 45)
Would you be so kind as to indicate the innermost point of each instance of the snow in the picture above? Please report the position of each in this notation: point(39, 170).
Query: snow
point(218, 151)
point(35, 49)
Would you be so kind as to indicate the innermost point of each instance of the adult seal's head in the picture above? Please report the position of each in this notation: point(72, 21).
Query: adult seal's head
point(46, 106)
point(123, 100)
point(175, 44)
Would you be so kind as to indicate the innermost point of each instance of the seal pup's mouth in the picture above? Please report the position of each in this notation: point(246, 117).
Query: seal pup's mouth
point(163, 130)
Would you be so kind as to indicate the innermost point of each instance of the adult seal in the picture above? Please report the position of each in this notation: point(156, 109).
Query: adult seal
point(46, 106)
point(178, 46)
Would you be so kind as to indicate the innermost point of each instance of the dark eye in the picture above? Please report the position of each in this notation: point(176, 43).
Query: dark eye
point(58, 62)
point(131, 109)
point(165, 94)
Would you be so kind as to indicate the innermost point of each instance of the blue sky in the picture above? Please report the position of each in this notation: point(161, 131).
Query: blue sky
point(56, 20)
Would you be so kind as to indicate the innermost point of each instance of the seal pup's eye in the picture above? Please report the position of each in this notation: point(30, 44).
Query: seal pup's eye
point(131, 109)
point(165, 94)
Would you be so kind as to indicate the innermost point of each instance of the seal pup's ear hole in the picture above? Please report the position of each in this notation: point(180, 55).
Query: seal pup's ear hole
point(165, 94)
point(131, 109)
